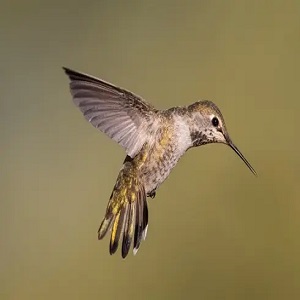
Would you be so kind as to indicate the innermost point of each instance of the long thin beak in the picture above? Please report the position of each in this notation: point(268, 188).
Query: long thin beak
point(239, 153)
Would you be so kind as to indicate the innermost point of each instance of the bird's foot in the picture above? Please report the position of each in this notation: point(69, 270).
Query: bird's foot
point(152, 194)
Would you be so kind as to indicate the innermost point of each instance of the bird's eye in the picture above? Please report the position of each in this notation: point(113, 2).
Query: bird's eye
point(215, 121)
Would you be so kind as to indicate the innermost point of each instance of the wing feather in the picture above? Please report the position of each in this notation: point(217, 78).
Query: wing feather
point(123, 116)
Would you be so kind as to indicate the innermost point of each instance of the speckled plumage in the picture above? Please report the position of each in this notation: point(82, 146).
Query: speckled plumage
point(154, 141)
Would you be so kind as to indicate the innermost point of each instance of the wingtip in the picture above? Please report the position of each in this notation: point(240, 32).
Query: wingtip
point(68, 71)
point(65, 69)
point(76, 75)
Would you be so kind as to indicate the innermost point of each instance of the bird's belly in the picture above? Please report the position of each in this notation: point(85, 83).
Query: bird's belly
point(156, 170)
point(161, 157)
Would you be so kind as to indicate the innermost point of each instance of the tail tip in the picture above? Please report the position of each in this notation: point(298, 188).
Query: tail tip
point(135, 250)
point(145, 232)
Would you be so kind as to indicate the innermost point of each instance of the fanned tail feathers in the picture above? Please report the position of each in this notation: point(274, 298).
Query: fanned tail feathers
point(126, 214)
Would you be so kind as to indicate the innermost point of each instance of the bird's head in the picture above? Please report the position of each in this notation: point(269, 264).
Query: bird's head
point(208, 126)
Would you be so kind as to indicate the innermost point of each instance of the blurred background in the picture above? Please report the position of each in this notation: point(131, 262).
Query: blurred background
point(216, 231)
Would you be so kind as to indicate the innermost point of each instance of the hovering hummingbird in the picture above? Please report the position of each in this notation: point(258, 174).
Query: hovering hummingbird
point(154, 141)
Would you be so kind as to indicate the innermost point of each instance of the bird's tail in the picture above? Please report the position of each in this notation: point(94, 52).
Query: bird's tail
point(126, 214)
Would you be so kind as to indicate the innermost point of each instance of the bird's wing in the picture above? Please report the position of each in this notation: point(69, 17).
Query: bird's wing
point(123, 116)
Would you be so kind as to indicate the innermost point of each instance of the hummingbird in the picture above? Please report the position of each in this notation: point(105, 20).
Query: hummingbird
point(154, 141)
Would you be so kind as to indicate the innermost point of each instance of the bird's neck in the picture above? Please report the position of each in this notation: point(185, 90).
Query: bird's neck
point(188, 128)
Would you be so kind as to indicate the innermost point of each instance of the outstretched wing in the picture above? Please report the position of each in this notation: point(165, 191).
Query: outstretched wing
point(123, 116)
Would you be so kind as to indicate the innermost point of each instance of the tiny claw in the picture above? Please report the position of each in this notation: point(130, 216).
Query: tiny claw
point(152, 194)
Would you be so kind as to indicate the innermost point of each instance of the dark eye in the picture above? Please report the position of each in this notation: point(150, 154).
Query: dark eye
point(215, 121)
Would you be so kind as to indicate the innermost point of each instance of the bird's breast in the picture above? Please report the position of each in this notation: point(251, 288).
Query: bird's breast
point(161, 157)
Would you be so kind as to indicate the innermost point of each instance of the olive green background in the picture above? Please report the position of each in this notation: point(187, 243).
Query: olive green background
point(216, 231)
